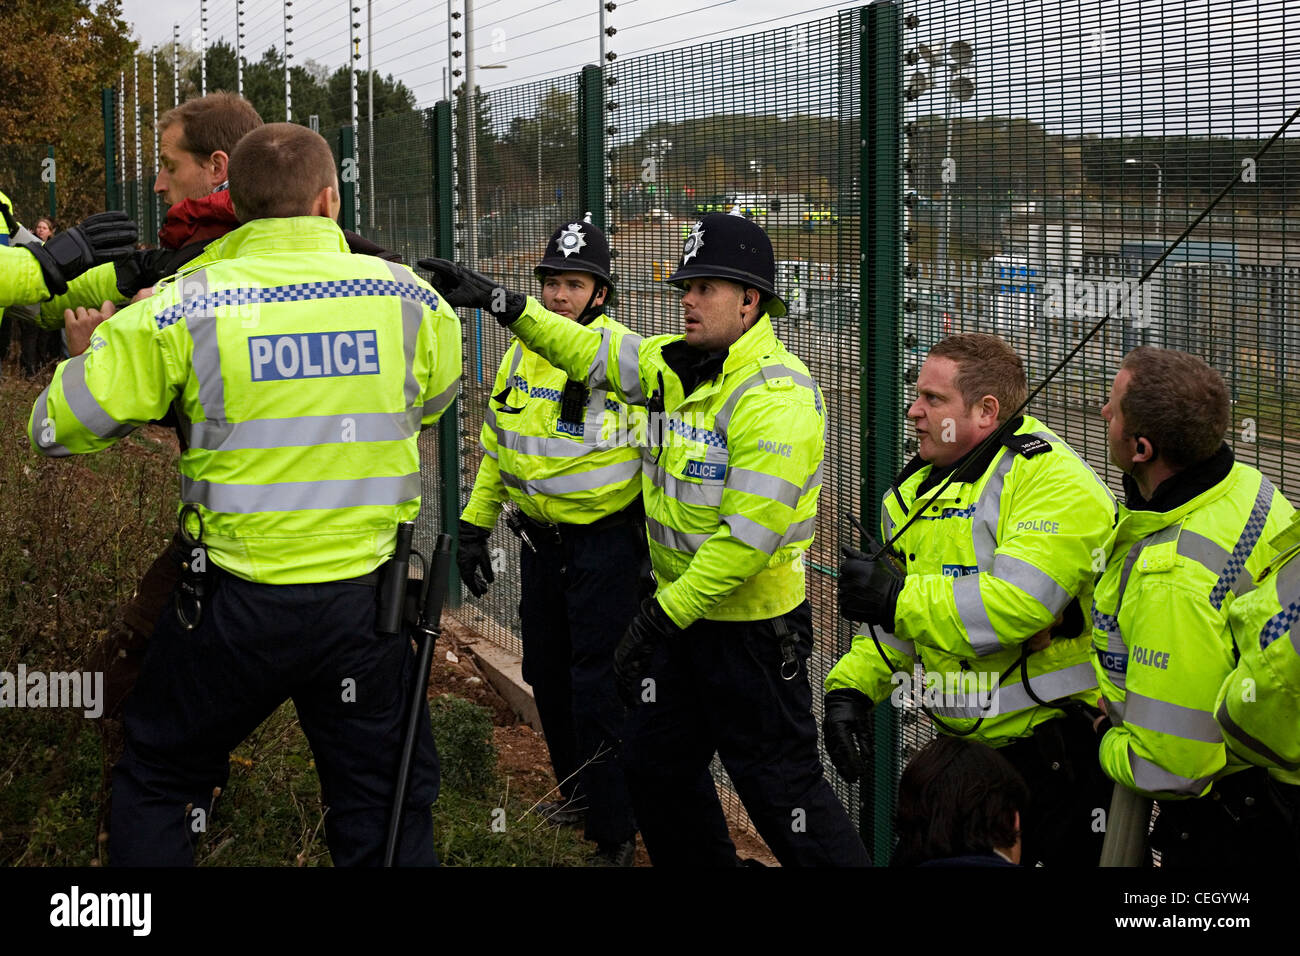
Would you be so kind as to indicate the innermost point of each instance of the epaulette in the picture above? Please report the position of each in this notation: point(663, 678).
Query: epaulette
point(1028, 445)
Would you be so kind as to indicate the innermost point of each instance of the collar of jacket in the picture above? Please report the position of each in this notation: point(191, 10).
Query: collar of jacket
point(1176, 490)
point(267, 236)
point(971, 473)
point(198, 220)
point(1200, 485)
point(693, 366)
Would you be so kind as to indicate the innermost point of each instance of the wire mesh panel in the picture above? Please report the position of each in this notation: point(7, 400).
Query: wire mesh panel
point(25, 173)
point(397, 201)
point(526, 185)
point(767, 123)
point(1054, 150)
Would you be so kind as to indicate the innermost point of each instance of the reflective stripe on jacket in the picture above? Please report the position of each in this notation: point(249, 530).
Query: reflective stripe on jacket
point(990, 563)
point(302, 375)
point(1160, 629)
point(1258, 706)
point(568, 472)
point(733, 471)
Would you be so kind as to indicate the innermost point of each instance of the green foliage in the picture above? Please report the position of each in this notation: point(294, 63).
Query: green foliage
point(463, 733)
point(314, 90)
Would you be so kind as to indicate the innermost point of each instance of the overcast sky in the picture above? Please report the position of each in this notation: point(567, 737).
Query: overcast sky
point(532, 38)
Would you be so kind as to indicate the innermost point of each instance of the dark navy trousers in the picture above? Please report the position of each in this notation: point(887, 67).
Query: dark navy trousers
point(579, 593)
point(201, 692)
point(739, 689)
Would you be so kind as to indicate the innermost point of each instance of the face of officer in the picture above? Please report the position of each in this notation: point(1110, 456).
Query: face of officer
point(567, 293)
point(945, 427)
point(716, 312)
point(185, 175)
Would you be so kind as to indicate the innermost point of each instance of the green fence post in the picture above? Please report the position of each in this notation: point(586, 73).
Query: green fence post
point(449, 424)
point(107, 97)
point(880, 301)
point(347, 179)
point(53, 174)
point(591, 144)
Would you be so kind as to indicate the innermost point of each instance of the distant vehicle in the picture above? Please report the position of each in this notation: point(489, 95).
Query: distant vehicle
point(659, 215)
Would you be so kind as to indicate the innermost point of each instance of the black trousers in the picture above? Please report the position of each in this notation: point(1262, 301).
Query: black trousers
point(739, 689)
point(202, 692)
point(1246, 820)
point(1069, 793)
point(579, 593)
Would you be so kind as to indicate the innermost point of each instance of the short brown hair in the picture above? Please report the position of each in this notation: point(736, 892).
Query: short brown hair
point(1176, 402)
point(214, 122)
point(278, 171)
point(986, 365)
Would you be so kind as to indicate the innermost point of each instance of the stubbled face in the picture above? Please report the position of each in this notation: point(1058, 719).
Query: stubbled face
point(1120, 443)
point(945, 428)
point(712, 313)
point(567, 293)
point(181, 174)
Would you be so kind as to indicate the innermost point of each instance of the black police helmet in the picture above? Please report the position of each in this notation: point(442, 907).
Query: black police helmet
point(728, 246)
point(578, 246)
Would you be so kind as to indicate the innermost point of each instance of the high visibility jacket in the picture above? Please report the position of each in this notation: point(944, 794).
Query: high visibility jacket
point(733, 468)
point(302, 375)
point(8, 223)
point(566, 471)
point(1258, 706)
point(1160, 627)
point(992, 561)
point(21, 279)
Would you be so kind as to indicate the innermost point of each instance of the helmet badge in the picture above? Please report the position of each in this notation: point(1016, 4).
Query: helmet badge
point(570, 240)
point(693, 243)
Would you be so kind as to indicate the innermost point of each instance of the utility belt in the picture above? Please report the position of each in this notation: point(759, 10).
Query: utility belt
point(1242, 799)
point(539, 532)
point(199, 579)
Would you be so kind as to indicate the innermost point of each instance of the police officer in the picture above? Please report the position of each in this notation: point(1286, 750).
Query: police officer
point(304, 375)
point(987, 589)
point(1194, 532)
point(716, 659)
point(1258, 706)
point(32, 272)
point(561, 453)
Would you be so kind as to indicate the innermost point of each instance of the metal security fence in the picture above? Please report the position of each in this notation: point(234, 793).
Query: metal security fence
point(28, 176)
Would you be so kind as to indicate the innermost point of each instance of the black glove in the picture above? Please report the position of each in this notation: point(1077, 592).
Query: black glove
point(465, 288)
point(848, 730)
point(97, 239)
point(637, 648)
point(868, 590)
point(472, 557)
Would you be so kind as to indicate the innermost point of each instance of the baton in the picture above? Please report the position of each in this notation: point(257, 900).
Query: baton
point(427, 628)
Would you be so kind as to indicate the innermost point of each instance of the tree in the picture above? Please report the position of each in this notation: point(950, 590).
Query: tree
point(61, 53)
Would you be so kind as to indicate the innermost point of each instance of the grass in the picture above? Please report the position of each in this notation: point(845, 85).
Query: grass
point(75, 536)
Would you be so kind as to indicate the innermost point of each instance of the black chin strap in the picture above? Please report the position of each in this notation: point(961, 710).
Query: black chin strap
point(590, 312)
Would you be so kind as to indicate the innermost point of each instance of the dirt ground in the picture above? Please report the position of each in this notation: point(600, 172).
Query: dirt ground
point(522, 756)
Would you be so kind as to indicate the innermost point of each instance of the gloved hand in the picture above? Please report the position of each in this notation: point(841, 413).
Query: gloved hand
point(465, 288)
point(848, 730)
point(868, 590)
point(473, 558)
point(637, 648)
point(97, 239)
